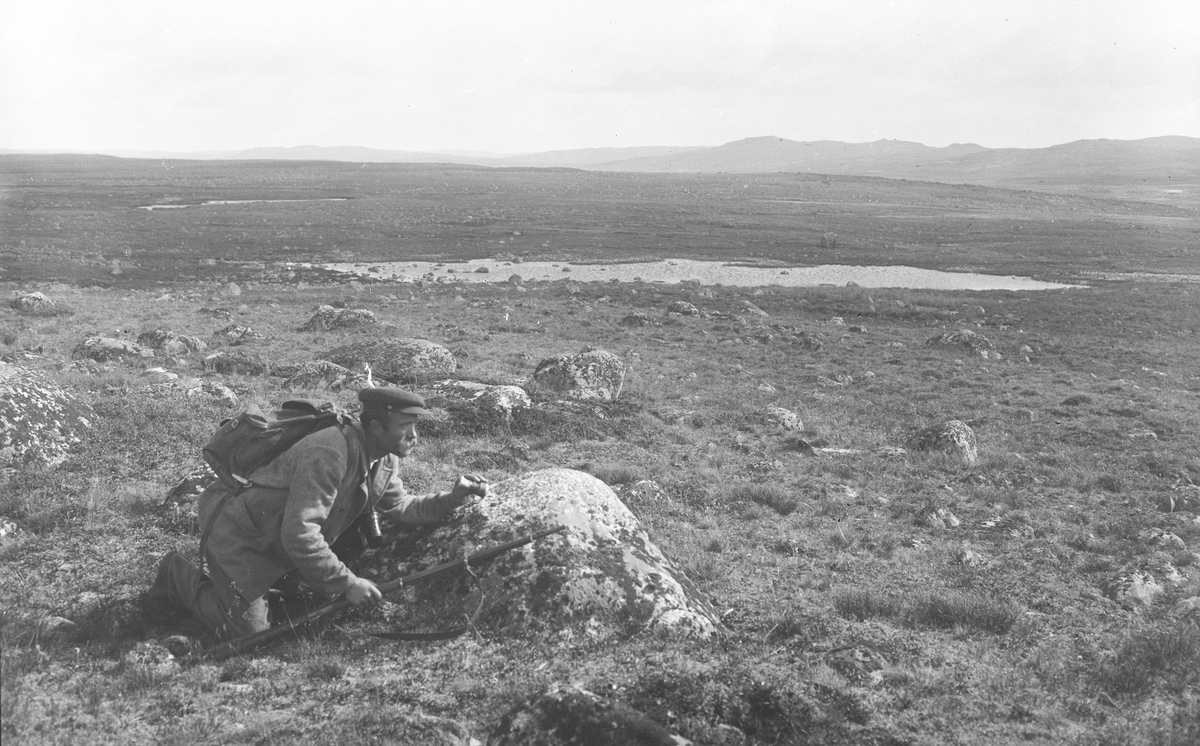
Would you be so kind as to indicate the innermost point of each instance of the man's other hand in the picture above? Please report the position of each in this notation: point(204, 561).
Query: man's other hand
point(363, 592)
point(467, 485)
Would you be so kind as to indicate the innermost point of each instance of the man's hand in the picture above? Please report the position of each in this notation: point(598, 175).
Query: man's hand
point(363, 592)
point(467, 485)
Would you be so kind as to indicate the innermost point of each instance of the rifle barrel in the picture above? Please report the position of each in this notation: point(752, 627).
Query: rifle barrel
point(258, 639)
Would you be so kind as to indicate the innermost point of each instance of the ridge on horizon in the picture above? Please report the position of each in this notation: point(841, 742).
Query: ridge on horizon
point(1162, 160)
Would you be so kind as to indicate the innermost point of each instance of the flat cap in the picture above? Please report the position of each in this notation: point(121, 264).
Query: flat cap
point(393, 400)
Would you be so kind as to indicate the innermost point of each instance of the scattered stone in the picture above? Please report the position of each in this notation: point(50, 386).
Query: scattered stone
point(638, 318)
point(587, 376)
point(222, 314)
point(32, 303)
point(748, 307)
point(970, 557)
point(837, 321)
point(328, 318)
point(682, 308)
point(829, 240)
point(231, 361)
point(1132, 589)
point(603, 579)
point(966, 339)
point(236, 333)
point(10, 532)
point(396, 360)
point(1162, 539)
point(573, 716)
point(766, 388)
point(153, 657)
point(940, 518)
point(1143, 435)
point(160, 375)
point(231, 289)
point(785, 419)
point(213, 389)
point(170, 342)
point(1012, 526)
point(39, 421)
point(322, 374)
point(515, 279)
point(952, 436)
point(105, 349)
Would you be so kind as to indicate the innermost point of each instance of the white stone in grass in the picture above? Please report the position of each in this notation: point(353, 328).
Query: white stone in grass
point(784, 419)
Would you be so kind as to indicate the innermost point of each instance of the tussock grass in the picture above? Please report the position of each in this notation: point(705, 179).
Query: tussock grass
point(940, 610)
point(782, 501)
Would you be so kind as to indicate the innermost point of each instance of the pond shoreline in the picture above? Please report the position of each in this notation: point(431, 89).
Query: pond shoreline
point(675, 271)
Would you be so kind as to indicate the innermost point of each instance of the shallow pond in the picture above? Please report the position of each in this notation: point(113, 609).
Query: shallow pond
point(705, 272)
point(210, 202)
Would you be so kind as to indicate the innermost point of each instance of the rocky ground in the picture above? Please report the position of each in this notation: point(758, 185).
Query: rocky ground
point(906, 516)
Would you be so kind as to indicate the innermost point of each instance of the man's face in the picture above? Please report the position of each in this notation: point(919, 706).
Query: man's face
point(396, 435)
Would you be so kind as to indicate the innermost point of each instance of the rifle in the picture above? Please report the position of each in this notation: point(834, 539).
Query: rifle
point(258, 639)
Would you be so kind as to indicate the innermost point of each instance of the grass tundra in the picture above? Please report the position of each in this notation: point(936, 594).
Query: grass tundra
point(867, 597)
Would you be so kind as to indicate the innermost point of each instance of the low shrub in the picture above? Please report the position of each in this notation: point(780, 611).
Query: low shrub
point(1170, 655)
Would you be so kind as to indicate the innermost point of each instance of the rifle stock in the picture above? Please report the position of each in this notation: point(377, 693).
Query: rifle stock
point(258, 639)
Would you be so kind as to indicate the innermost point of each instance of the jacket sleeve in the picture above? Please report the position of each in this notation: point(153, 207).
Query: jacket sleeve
point(316, 475)
point(398, 506)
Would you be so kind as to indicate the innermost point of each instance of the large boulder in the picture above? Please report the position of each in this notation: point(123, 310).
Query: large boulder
point(322, 374)
point(32, 303)
point(603, 578)
point(499, 399)
point(39, 421)
point(573, 716)
point(967, 341)
point(954, 437)
point(396, 360)
point(235, 361)
point(588, 376)
point(170, 342)
point(105, 349)
point(328, 318)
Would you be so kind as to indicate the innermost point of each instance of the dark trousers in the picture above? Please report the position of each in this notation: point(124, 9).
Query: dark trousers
point(209, 598)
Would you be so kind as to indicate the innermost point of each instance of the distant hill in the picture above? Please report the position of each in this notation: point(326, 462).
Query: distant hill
point(1158, 162)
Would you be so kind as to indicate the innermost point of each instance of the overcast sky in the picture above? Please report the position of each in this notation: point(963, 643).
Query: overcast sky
point(532, 75)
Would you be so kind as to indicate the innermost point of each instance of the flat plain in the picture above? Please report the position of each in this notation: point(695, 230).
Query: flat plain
point(868, 598)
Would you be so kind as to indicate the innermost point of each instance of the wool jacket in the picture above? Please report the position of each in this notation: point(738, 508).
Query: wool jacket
point(297, 507)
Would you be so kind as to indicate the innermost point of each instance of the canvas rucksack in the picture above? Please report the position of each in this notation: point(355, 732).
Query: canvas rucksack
point(253, 439)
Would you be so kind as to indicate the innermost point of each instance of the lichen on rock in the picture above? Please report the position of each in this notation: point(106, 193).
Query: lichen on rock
point(39, 421)
point(396, 360)
point(602, 578)
point(590, 376)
